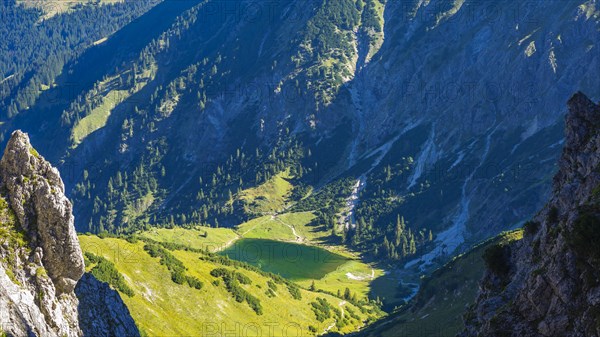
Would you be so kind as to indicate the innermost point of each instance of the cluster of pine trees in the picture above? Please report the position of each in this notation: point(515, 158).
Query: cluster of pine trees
point(404, 242)
point(328, 35)
point(232, 281)
point(105, 271)
point(137, 195)
point(175, 266)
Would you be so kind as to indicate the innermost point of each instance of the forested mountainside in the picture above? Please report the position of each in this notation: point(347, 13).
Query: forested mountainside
point(400, 120)
point(147, 285)
point(35, 47)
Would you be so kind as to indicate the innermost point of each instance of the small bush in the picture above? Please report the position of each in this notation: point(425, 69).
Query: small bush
point(175, 266)
point(294, 291)
point(553, 215)
point(270, 293)
point(243, 279)
point(219, 272)
point(232, 280)
point(585, 235)
point(106, 271)
point(322, 309)
point(91, 257)
point(12, 277)
point(194, 282)
point(178, 277)
point(531, 227)
point(496, 259)
point(33, 152)
point(40, 272)
point(254, 303)
point(132, 239)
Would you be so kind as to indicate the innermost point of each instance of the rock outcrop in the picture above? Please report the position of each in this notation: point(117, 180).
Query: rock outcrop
point(36, 194)
point(101, 310)
point(41, 261)
point(548, 284)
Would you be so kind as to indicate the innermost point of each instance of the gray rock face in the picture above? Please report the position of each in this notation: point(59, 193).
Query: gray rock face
point(42, 264)
point(40, 258)
point(29, 305)
point(496, 73)
point(102, 313)
point(553, 286)
point(36, 194)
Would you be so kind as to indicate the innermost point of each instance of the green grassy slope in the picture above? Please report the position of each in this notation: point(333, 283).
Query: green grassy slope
point(443, 298)
point(163, 308)
point(110, 95)
point(266, 227)
point(353, 273)
point(268, 197)
point(213, 239)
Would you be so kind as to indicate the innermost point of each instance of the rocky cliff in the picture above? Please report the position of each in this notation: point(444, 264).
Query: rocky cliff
point(102, 313)
point(41, 260)
point(36, 195)
point(548, 284)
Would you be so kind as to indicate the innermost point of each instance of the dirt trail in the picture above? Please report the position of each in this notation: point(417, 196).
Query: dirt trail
point(341, 305)
point(292, 227)
point(228, 243)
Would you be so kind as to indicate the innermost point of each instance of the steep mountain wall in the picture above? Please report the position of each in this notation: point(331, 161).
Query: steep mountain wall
point(548, 284)
point(487, 80)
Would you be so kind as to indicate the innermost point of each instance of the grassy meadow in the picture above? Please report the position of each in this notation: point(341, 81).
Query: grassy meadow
point(163, 308)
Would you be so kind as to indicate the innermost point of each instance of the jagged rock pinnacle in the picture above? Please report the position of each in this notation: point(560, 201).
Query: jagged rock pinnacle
point(36, 194)
point(583, 118)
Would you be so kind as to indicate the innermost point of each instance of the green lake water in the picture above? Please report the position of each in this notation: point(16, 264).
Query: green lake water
point(290, 260)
